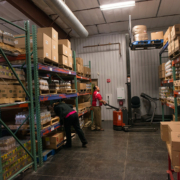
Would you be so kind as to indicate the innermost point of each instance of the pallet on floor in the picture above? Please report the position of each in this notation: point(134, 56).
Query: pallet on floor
point(47, 154)
point(65, 67)
point(48, 62)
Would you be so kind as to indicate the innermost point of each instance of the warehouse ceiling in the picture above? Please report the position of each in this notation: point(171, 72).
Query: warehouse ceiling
point(152, 13)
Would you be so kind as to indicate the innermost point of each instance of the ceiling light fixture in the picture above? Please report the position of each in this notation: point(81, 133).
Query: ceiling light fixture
point(117, 5)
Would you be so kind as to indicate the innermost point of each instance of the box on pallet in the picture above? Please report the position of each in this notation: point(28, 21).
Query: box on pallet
point(70, 62)
point(161, 70)
point(63, 60)
point(54, 141)
point(177, 44)
point(166, 34)
point(172, 46)
point(63, 50)
point(175, 32)
point(20, 42)
point(66, 42)
point(51, 32)
point(170, 49)
point(79, 61)
point(80, 86)
point(157, 35)
point(79, 68)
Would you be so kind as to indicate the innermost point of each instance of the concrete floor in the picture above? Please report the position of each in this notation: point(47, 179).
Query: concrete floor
point(111, 155)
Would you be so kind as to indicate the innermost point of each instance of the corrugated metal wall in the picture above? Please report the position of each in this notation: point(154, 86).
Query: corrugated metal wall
point(107, 64)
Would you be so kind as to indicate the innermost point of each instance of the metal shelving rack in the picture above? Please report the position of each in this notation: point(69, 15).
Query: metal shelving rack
point(29, 94)
point(45, 69)
point(163, 50)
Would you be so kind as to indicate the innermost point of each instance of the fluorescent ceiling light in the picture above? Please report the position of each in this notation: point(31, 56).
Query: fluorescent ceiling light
point(117, 5)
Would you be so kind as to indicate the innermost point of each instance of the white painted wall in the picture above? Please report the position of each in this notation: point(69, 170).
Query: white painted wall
point(110, 65)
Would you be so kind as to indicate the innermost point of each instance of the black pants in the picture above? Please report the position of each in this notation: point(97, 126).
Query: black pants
point(73, 120)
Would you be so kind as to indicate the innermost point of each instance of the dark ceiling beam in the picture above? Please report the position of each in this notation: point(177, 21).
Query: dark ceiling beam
point(28, 8)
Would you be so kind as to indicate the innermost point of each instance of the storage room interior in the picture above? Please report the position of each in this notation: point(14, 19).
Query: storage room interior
point(89, 89)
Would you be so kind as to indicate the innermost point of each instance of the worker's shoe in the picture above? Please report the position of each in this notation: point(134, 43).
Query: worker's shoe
point(84, 145)
point(100, 129)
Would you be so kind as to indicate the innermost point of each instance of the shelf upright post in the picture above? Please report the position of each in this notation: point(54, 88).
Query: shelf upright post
point(29, 84)
point(1, 169)
point(37, 103)
point(75, 78)
point(91, 95)
point(175, 96)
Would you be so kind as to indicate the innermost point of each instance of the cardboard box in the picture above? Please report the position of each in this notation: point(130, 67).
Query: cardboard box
point(157, 35)
point(164, 130)
point(54, 141)
point(3, 91)
point(43, 41)
point(44, 53)
point(86, 71)
point(66, 42)
point(172, 46)
point(54, 45)
point(175, 158)
point(177, 44)
point(12, 93)
point(54, 56)
point(174, 118)
point(169, 37)
point(175, 141)
point(70, 62)
point(166, 34)
point(175, 32)
point(63, 60)
point(161, 67)
point(170, 49)
point(20, 42)
point(20, 92)
point(63, 50)
point(79, 68)
point(51, 32)
point(79, 61)
point(79, 86)
point(173, 128)
point(69, 53)
point(162, 74)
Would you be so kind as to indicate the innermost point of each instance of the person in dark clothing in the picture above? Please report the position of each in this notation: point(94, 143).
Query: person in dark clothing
point(70, 117)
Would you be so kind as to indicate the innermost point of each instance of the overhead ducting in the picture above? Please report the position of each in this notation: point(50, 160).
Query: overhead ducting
point(61, 9)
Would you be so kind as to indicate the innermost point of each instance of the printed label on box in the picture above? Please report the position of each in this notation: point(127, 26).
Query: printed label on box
point(54, 57)
point(16, 42)
point(46, 41)
point(54, 47)
point(47, 54)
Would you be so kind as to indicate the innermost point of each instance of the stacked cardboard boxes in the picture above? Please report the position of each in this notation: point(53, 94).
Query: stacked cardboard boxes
point(80, 86)
point(54, 140)
point(161, 70)
point(167, 34)
point(82, 70)
point(48, 43)
point(65, 53)
point(170, 133)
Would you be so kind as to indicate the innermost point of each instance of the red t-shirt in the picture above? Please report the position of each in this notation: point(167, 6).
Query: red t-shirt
point(96, 97)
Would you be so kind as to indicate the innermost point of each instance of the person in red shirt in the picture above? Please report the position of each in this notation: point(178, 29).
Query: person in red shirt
point(96, 104)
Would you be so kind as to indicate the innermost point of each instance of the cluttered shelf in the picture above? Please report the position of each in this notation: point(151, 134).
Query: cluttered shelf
point(83, 78)
point(167, 81)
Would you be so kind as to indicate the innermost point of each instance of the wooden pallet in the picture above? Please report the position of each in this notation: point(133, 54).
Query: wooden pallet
point(45, 125)
point(48, 62)
point(81, 109)
point(79, 74)
point(176, 54)
point(54, 120)
point(53, 91)
point(82, 90)
point(88, 75)
point(11, 100)
point(47, 154)
point(65, 67)
point(88, 90)
point(169, 77)
point(68, 91)
point(44, 92)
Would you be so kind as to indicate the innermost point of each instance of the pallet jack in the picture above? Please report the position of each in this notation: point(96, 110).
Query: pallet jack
point(121, 122)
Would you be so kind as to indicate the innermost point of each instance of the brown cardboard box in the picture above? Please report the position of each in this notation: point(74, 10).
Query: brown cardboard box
point(54, 45)
point(43, 41)
point(175, 31)
point(169, 37)
point(51, 32)
point(70, 62)
point(79, 68)
point(164, 130)
point(161, 67)
point(54, 56)
point(63, 60)
point(175, 158)
point(66, 42)
point(69, 53)
point(162, 74)
point(63, 50)
point(166, 34)
point(175, 141)
point(174, 118)
point(170, 49)
point(157, 35)
point(12, 93)
point(172, 46)
point(44, 53)
point(79, 86)
point(54, 141)
point(173, 128)
point(86, 71)
point(20, 92)
point(3, 91)
point(177, 44)
point(79, 61)
point(20, 42)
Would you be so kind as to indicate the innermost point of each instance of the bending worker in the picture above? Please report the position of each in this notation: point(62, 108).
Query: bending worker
point(70, 117)
point(96, 104)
